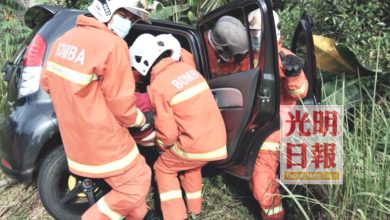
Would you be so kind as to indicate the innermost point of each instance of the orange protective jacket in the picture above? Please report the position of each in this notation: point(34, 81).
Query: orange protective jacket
point(188, 121)
point(187, 58)
point(221, 68)
point(89, 78)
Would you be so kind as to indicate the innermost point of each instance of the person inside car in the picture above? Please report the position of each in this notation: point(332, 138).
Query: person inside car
point(189, 126)
point(90, 81)
point(227, 44)
point(294, 86)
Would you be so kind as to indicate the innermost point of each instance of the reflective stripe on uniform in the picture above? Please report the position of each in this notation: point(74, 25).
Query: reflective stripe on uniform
point(174, 194)
point(298, 91)
point(273, 211)
point(194, 195)
point(161, 144)
point(221, 152)
point(272, 146)
point(139, 120)
point(103, 207)
point(108, 167)
point(189, 93)
point(71, 75)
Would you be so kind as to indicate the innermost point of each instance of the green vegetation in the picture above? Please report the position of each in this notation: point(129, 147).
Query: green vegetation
point(364, 27)
point(365, 193)
point(361, 24)
point(12, 33)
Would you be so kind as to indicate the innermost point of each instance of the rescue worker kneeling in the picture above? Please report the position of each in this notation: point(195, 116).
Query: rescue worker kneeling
point(189, 126)
point(293, 87)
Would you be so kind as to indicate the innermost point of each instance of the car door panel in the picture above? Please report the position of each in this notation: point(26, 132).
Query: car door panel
point(228, 98)
point(248, 112)
point(235, 95)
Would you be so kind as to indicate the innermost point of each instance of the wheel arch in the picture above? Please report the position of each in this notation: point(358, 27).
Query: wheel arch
point(52, 143)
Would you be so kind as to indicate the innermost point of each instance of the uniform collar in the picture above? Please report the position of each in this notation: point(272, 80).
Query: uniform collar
point(160, 66)
point(83, 20)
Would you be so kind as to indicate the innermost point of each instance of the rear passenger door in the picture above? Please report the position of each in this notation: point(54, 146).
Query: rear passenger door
point(247, 95)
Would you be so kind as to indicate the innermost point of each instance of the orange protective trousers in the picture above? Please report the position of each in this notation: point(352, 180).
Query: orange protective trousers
point(264, 184)
point(127, 197)
point(166, 168)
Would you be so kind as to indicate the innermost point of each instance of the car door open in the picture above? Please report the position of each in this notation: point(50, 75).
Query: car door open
point(246, 91)
point(303, 46)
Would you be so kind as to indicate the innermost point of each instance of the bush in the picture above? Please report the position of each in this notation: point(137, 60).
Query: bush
point(12, 33)
point(361, 24)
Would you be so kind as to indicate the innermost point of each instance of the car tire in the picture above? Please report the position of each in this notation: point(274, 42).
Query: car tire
point(60, 200)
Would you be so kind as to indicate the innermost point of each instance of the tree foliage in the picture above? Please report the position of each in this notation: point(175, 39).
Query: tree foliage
point(185, 11)
point(12, 30)
point(364, 25)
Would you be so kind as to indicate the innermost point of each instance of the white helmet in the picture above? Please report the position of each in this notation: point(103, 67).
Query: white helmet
point(277, 24)
point(254, 19)
point(104, 9)
point(147, 48)
point(228, 38)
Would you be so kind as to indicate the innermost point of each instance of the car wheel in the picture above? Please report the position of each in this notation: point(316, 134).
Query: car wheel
point(63, 194)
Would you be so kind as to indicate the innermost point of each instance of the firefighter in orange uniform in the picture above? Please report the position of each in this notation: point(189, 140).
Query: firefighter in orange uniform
point(293, 87)
point(146, 137)
point(189, 126)
point(92, 88)
point(227, 46)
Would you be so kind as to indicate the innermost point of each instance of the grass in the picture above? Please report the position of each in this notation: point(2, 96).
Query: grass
point(365, 193)
point(20, 202)
point(3, 90)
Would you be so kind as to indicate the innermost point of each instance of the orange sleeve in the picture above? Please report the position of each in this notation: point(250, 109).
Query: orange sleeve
point(118, 88)
point(187, 58)
point(296, 86)
point(167, 132)
point(245, 64)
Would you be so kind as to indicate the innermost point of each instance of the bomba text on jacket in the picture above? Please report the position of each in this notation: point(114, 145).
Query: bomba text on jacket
point(185, 78)
point(70, 53)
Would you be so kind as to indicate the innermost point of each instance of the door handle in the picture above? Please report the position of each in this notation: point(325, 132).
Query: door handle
point(264, 96)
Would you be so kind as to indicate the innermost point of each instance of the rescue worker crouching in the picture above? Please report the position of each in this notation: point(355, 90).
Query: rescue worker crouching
point(189, 126)
point(91, 84)
point(294, 86)
point(227, 44)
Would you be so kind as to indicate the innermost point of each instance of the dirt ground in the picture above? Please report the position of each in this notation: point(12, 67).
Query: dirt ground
point(18, 201)
point(225, 198)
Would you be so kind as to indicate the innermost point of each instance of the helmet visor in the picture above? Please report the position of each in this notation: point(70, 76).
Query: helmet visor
point(141, 13)
point(221, 48)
